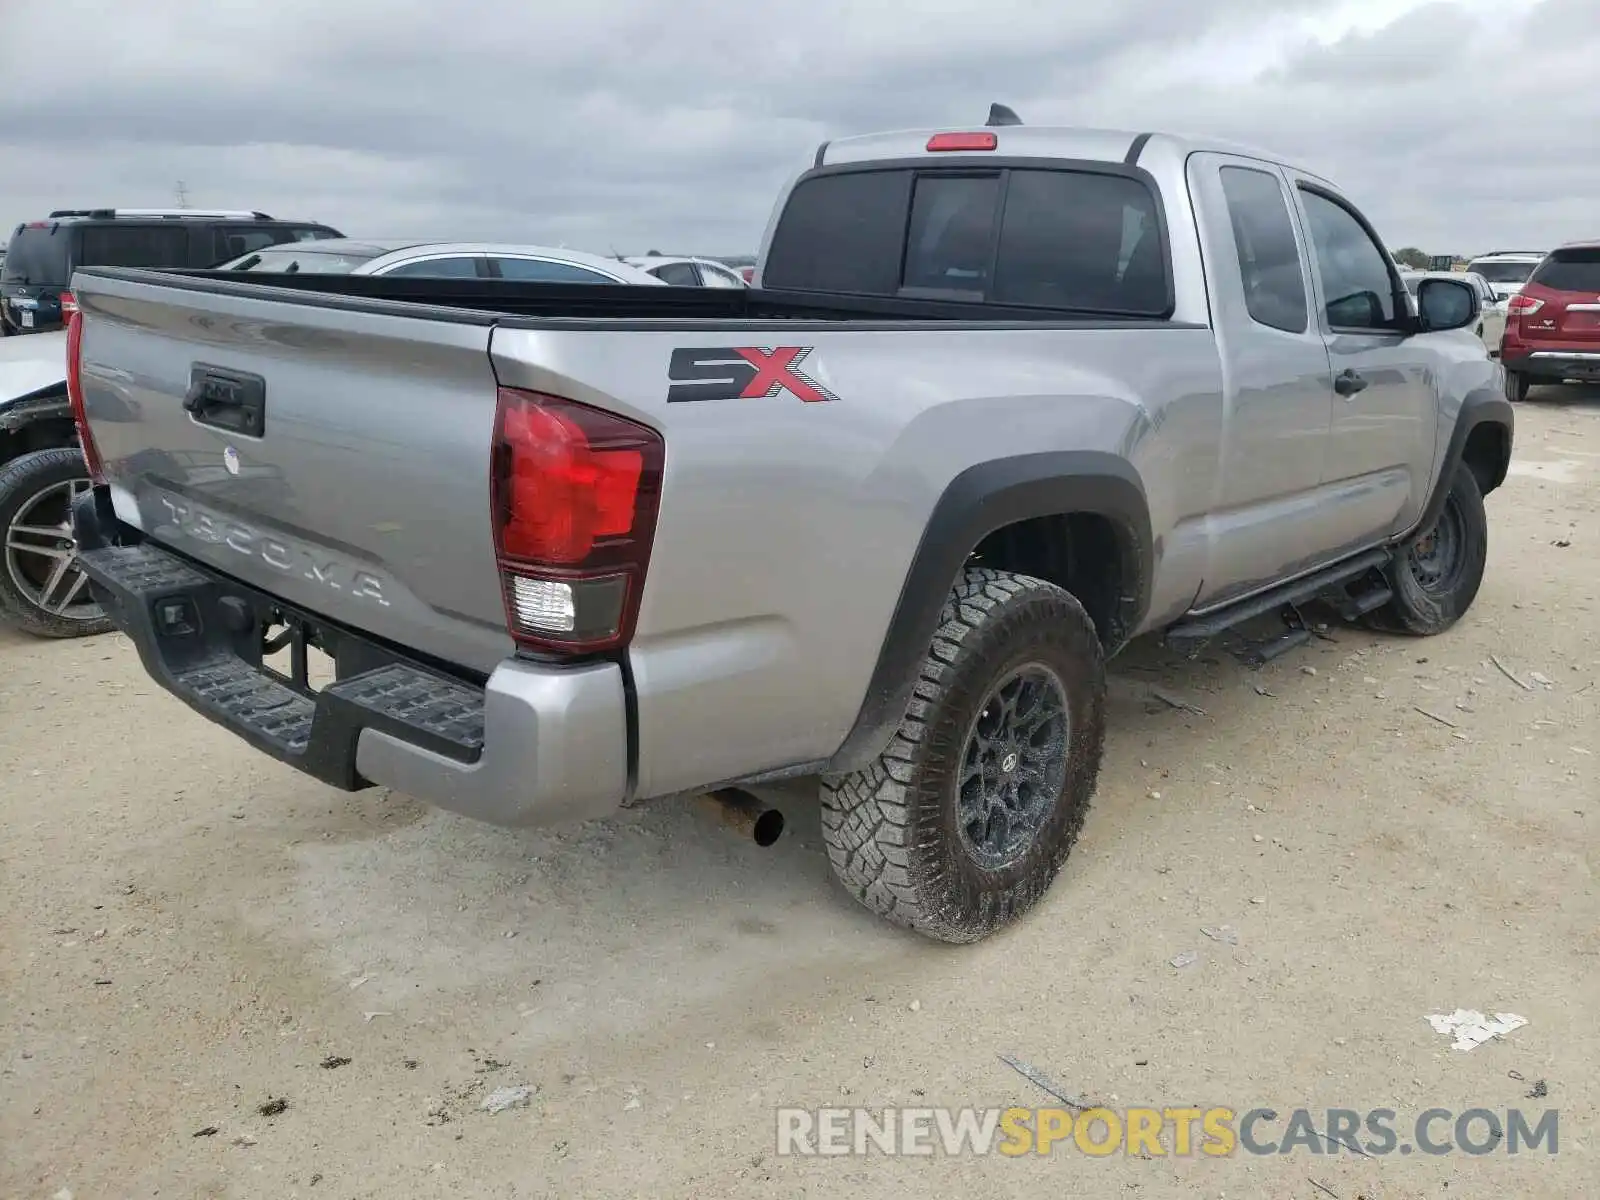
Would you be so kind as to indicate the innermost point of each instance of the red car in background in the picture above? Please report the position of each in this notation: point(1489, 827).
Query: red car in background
point(1553, 324)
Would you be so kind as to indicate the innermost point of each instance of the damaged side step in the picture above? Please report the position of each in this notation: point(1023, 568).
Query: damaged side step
point(1353, 608)
point(1208, 625)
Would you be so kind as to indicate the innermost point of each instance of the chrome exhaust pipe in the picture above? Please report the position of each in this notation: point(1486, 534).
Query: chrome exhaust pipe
point(741, 811)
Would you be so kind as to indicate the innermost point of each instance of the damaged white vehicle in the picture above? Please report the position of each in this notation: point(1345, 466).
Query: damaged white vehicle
point(42, 590)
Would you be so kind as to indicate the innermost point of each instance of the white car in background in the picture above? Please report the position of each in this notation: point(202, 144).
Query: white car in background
point(1506, 270)
point(1491, 325)
point(688, 272)
point(441, 260)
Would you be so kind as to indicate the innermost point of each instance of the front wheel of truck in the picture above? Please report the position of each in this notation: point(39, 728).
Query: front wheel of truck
point(1436, 575)
point(961, 825)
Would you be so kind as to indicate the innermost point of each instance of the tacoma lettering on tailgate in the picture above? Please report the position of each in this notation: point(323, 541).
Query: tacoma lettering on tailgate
point(292, 558)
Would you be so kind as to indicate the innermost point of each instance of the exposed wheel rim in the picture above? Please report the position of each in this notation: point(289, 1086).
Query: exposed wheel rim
point(42, 554)
point(1014, 765)
point(1435, 560)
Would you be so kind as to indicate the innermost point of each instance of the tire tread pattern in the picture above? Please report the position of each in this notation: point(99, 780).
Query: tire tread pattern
point(26, 474)
point(879, 824)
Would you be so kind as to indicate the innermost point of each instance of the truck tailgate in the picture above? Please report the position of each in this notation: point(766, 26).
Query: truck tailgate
point(337, 458)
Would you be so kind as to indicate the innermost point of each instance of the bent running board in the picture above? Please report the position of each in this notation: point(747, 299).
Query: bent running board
point(1208, 625)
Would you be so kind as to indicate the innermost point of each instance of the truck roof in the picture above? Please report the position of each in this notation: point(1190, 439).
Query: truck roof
point(1035, 141)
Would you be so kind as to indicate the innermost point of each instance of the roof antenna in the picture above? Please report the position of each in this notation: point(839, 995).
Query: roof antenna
point(999, 114)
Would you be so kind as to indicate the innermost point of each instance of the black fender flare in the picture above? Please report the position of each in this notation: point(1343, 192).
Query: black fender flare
point(978, 501)
point(1479, 408)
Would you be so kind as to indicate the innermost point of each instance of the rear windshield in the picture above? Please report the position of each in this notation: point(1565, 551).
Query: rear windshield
point(293, 259)
point(1503, 272)
point(1060, 239)
point(1571, 271)
point(37, 256)
point(232, 241)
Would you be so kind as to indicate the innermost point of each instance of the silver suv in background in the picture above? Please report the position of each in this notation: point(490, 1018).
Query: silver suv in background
point(442, 260)
point(1506, 270)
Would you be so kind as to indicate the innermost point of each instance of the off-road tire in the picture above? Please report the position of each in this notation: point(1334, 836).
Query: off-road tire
point(1517, 385)
point(1422, 609)
point(891, 829)
point(21, 480)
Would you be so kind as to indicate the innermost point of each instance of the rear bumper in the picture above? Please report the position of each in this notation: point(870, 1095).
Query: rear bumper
point(1556, 364)
point(534, 745)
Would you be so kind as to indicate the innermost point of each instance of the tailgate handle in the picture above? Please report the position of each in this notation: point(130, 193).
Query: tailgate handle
point(235, 401)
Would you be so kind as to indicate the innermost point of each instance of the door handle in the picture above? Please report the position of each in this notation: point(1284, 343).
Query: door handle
point(1348, 383)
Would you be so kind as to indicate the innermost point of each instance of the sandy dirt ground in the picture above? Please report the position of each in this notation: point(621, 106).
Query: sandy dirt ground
point(190, 933)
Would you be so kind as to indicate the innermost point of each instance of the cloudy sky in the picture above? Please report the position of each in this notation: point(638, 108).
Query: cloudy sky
point(629, 124)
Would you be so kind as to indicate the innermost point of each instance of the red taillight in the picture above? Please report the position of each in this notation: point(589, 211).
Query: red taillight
point(69, 304)
point(91, 454)
point(963, 141)
point(575, 492)
point(1520, 305)
point(749, 273)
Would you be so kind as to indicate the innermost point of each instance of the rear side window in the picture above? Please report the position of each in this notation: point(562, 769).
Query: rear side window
point(1563, 271)
point(132, 246)
point(438, 268)
point(1269, 260)
point(38, 256)
point(537, 270)
point(714, 277)
point(678, 275)
point(1074, 239)
point(842, 233)
point(1066, 239)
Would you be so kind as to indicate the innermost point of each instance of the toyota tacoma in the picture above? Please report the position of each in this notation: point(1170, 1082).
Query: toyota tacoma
point(1001, 399)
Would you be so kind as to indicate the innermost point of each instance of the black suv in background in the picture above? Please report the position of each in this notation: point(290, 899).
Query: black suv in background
point(42, 255)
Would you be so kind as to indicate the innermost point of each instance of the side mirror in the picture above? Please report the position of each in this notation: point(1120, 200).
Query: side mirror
point(1444, 304)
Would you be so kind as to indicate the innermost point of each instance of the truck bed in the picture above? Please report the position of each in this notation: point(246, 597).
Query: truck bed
point(361, 498)
point(554, 305)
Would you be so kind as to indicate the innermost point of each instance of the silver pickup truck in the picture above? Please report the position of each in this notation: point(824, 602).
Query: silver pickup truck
point(1003, 398)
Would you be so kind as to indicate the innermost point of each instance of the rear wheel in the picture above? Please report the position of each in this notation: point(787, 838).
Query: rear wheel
point(1517, 385)
point(961, 825)
point(42, 588)
point(1436, 575)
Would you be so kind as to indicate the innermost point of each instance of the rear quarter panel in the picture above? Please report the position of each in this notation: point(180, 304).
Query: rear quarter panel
point(787, 528)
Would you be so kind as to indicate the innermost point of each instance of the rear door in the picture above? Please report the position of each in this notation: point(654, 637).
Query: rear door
point(1567, 284)
point(1265, 522)
point(36, 271)
point(1380, 440)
